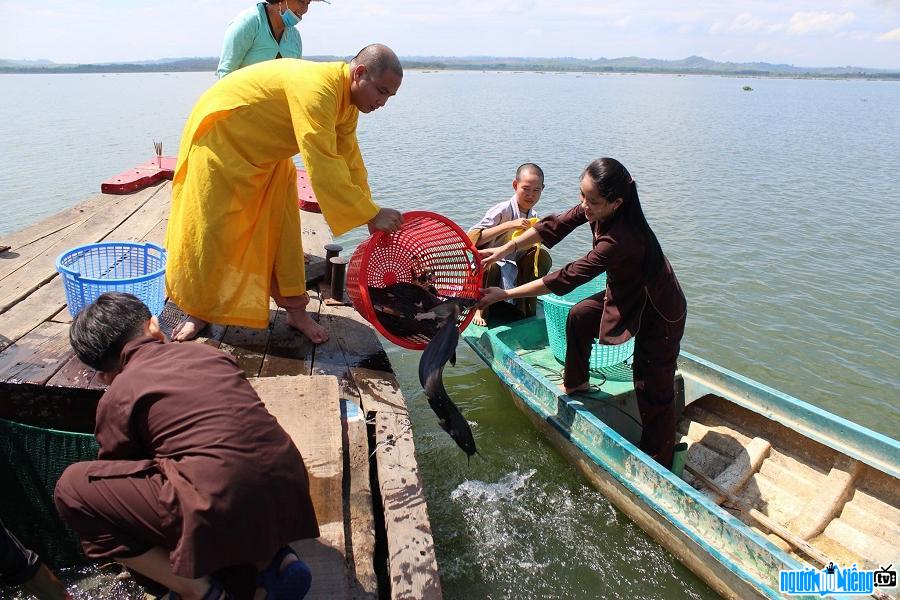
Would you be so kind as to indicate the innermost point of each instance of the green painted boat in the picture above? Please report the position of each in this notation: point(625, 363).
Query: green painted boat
point(824, 481)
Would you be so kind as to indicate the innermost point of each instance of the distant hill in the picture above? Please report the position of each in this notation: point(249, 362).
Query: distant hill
point(692, 65)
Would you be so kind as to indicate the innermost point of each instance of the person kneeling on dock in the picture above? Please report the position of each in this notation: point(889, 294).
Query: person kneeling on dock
point(642, 299)
point(233, 236)
point(194, 475)
point(504, 222)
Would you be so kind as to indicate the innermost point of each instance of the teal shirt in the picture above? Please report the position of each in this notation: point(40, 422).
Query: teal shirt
point(249, 40)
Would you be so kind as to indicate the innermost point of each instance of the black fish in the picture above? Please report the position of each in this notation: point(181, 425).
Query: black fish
point(409, 310)
point(397, 305)
point(440, 349)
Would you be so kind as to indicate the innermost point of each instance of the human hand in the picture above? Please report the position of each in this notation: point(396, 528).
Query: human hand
point(489, 256)
point(519, 224)
point(387, 219)
point(490, 296)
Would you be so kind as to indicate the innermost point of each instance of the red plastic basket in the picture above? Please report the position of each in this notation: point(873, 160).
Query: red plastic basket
point(426, 242)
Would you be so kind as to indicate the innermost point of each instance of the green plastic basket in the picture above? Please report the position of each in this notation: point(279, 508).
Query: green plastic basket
point(31, 461)
point(606, 359)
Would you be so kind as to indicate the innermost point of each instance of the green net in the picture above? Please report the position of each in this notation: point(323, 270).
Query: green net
point(31, 461)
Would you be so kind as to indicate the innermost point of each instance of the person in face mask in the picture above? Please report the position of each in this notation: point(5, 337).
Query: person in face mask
point(266, 31)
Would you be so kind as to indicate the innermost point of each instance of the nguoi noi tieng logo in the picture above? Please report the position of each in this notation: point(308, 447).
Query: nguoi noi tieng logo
point(835, 581)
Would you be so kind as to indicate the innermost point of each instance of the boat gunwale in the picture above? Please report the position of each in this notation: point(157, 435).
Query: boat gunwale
point(724, 518)
point(842, 435)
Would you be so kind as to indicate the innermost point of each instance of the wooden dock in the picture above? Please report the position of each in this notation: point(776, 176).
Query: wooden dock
point(340, 401)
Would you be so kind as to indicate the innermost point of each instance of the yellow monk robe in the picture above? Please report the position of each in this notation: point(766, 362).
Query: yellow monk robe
point(234, 219)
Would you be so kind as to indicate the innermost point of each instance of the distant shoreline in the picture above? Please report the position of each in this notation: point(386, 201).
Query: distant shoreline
point(492, 65)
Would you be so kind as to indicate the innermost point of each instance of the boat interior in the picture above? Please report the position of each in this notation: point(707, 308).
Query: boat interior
point(846, 510)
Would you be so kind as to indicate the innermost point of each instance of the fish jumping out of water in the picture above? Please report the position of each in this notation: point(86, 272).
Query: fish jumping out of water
point(410, 309)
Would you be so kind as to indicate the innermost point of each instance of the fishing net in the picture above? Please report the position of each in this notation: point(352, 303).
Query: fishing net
point(31, 461)
point(428, 250)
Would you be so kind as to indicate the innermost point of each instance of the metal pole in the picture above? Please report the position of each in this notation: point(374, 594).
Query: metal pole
point(338, 277)
point(331, 251)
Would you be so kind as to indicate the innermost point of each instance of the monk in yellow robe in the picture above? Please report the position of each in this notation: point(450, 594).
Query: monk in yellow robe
point(233, 237)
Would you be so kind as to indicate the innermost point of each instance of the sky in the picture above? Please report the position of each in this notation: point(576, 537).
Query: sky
point(814, 33)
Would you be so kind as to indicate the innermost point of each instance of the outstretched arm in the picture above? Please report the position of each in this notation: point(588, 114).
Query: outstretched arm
point(491, 233)
point(526, 290)
point(492, 255)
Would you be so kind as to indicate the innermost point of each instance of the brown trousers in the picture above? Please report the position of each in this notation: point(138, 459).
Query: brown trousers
point(526, 264)
point(656, 348)
point(116, 517)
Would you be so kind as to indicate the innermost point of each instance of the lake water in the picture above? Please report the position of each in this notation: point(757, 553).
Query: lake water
point(778, 209)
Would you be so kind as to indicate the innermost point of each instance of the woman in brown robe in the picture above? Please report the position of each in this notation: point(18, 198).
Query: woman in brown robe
point(642, 299)
point(194, 475)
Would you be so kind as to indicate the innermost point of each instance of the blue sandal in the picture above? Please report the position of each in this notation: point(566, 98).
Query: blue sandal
point(290, 584)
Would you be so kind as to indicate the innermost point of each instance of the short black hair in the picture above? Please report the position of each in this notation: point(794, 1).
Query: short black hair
point(530, 167)
point(102, 329)
point(378, 58)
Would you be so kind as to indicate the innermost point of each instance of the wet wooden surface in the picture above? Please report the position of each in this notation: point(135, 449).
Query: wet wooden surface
point(376, 521)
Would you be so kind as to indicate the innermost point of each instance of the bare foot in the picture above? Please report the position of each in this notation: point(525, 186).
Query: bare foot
point(585, 387)
point(302, 322)
point(188, 329)
point(479, 318)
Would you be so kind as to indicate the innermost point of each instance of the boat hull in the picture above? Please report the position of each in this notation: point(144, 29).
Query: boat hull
point(734, 560)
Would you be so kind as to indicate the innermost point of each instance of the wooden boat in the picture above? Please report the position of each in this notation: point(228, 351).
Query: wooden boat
point(828, 485)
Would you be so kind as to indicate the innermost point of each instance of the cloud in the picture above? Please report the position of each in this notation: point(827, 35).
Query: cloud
point(804, 23)
point(746, 22)
point(890, 36)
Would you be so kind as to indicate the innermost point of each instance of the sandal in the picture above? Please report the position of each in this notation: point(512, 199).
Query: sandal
point(292, 583)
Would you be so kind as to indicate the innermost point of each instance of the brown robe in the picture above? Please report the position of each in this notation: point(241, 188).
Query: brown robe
point(653, 312)
point(183, 423)
point(620, 253)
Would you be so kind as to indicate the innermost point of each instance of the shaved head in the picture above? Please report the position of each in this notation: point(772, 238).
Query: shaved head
point(377, 59)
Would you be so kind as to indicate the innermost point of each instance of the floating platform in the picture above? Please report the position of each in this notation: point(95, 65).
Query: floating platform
point(340, 401)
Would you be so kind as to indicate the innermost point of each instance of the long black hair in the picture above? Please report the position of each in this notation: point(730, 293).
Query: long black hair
point(612, 181)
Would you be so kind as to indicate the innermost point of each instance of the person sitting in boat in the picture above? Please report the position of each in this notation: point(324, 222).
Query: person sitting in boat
point(500, 224)
point(263, 32)
point(233, 237)
point(643, 298)
point(20, 566)
point(193, 475)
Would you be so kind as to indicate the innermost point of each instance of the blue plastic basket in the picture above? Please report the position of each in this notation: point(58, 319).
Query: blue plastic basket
point(136, 268)
point(556, 312)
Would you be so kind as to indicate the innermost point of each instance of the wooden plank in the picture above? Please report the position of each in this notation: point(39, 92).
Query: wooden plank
point(412, 564)
point(380, 391)
point(76, 374)
point(37, 356)
point(353, 332)
point(325, 558)
point(315, 233)
point(289, 352)
point(48, 301)
point(38, 307)
point(157, 234)
point(309, 410)
point(330, 359)
point(248, 345)
point(41, 268)
point(145, 221)
point(32, 240)
point(360, 507)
